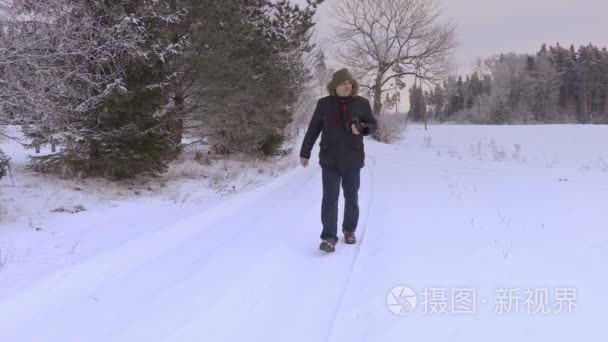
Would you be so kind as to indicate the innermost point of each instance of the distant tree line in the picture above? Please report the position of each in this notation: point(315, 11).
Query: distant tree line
point(556, 85)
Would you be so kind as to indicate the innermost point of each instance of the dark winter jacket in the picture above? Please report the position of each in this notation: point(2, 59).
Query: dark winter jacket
point(339, 147)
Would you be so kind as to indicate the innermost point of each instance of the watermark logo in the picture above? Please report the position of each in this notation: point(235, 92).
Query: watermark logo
point(401, 300)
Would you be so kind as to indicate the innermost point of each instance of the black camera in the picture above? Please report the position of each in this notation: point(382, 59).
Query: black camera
point(361, 127)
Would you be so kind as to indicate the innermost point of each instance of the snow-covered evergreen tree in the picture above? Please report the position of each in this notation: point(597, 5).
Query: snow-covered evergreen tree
point(417, 110)
point(249, 72)
point(4, 164)
point(90, 76)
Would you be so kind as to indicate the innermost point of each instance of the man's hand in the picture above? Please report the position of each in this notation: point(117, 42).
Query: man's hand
point(304, 161)
point(353, 127)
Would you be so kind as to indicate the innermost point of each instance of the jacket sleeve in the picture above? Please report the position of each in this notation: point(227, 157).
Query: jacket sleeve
point(312, 133)
point(368, 120)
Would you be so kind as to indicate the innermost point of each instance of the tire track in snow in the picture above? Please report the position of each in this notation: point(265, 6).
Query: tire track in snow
point(346, 287)
point(315, 264)
point(263, 264)
point(135, 272)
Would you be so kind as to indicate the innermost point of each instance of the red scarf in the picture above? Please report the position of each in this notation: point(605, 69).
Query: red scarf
point(342, 114)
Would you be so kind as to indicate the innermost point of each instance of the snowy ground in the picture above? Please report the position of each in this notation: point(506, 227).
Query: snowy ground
point(494, 230)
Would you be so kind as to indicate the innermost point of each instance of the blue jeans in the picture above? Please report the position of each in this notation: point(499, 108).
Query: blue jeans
point(350, 179)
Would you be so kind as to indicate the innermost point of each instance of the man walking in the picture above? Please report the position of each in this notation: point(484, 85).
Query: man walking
point(343, 118)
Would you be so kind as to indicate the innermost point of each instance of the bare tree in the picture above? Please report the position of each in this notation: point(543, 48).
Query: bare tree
point(390, 39)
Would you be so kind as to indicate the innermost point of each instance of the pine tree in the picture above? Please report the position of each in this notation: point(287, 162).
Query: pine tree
point(570, 81)
point(250, 72)
point(476, 88)
point(500, 115)
point(436, 101)
point(458, 99)
point(451, 96)
point(4, 164)
point(604, 82)
point(110, 114)
point(417, 110)
point(583, 69)
point(559, 54)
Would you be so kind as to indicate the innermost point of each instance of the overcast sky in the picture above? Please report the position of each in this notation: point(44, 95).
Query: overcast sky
point(488, 27)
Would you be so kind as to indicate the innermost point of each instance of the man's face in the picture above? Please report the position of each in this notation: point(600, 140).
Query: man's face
point(344, 88)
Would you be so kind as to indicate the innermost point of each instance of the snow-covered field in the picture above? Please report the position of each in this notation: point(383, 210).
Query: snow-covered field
point(467, 233)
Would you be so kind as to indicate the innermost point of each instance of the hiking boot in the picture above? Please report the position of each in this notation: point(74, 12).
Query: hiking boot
point(327, 246)
point(349, 238)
